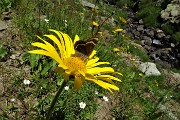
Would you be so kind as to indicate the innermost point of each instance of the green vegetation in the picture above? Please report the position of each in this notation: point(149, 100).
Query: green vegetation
point(139, 96)
point(5, 5)
point(176, 36)
point(149, 12)
point(3, 51)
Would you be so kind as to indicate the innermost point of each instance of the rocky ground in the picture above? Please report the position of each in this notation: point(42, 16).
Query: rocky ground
point(153, 40)
point(158, 45)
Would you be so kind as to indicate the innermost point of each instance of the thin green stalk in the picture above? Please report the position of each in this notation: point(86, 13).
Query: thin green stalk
point(48, 116)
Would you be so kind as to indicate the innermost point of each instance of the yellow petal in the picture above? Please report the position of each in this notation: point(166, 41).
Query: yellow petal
point(60, 35)
point(55, 56)
point(50, 49)
point(42, 52)
point(97, 70)
point(104, 84)
point(116, 50)
point(119, 30)
point(40, 45)
point(92, 54)
point(69, 45)
point(119, 73)
point(96, 64)
point(54, 39)
point(66, 75)
point(76, 39)
point(63, 66)
point(108, 76)
point(82, 73)
point(95, 24)
point(92, 61)
point(122, 19)
point(79, 80)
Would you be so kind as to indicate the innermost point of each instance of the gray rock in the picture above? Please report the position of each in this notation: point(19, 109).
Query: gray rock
point(88, 4)
point(160, 33)
point(142, 42)
point(140, 27)
point(172, 45)
point(174, 78)
point(137, 33)
point(148, 40)
point(154, 56)
point(3, 25)
point(165, 50)
point(149, 69)
point(147, 47)
point(141, 21)
point(163, 64)
point(156, 42)
point(150, 32)
point(167, 37)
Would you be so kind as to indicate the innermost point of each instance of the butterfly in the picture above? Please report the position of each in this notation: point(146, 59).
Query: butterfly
point(84, 48)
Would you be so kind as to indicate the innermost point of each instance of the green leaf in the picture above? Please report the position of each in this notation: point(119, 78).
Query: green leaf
point(34, 60)
point(44, 83)
point(3, 51)
point(59, 82)
point(25, 56)
point(46, 67)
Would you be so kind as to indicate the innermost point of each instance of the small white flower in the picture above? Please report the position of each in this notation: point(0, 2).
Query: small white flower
point(65, 23)
point(12, 100)
point(82, 105)
point(105, 98)
point(26, 82)
point(66, 88)
point(46, 20)
point(114, 65)
point(96, 92)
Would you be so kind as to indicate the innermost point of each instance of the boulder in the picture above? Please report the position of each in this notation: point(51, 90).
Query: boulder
point(149, 69)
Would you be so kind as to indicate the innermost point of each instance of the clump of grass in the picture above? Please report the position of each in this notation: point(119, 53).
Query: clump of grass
point(176, 36)
point(138, 95)
point(168, 28)
point(149, 12)
point(139, 52)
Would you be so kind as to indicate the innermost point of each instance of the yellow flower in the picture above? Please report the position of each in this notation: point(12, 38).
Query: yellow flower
point(95, 10)
point(149, 88)
point(155, 81)
point(133, 59)
point(118, 30)
point(122, 19)
point(116, 50)
point(95, 24)
point(100, 33)
point(140, 74)
point(74, 65)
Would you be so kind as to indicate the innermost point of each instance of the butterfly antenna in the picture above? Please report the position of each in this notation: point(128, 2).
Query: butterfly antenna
point(99, 27)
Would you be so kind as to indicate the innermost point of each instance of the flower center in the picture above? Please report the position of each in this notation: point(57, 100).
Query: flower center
point(75, 64)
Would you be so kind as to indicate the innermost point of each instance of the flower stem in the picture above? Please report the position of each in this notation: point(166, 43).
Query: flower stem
point(48, 115)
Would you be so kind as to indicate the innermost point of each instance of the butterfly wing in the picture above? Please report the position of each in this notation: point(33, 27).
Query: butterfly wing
point(86, 47)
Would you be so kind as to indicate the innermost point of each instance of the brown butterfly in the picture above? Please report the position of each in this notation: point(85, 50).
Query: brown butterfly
point(84, 48)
